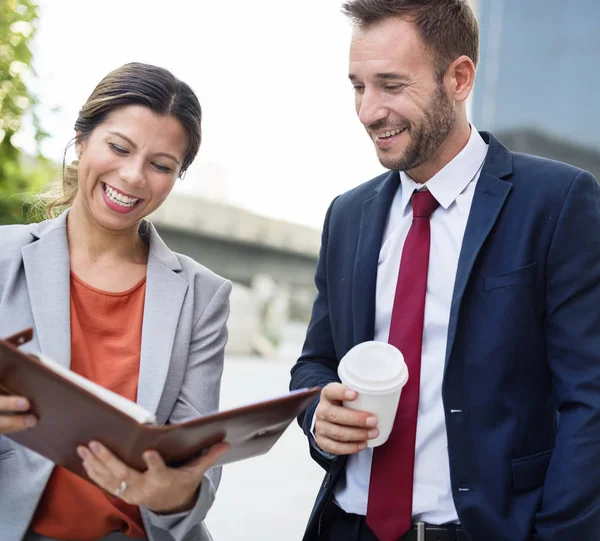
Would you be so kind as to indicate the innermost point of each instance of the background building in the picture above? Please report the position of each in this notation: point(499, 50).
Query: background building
point(538, 80)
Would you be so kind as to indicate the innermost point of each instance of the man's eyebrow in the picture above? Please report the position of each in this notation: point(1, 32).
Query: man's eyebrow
point(164, 154)
point(391, 76)
point(384, 76)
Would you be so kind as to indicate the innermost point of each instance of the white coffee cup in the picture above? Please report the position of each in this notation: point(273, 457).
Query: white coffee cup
point(377, 372)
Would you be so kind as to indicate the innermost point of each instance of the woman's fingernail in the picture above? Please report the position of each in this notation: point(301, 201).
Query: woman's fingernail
point(22, 403)
point(373, 433)
point(371, 421)
point(350, 395)
point(362, 446)
point(96, 447)
point(30, 420)
point(83, 452)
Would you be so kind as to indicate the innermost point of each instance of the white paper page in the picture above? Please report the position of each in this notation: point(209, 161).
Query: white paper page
point(135, 411)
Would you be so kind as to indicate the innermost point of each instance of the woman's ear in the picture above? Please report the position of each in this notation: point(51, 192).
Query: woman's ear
point(78, 144)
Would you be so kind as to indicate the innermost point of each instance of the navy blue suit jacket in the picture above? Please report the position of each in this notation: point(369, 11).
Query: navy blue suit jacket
point(523, 344)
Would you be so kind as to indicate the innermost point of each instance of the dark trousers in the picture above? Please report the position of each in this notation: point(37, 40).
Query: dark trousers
point(337, 525)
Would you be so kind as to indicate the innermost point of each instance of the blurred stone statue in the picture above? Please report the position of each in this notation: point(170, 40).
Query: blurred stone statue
point(258, 315)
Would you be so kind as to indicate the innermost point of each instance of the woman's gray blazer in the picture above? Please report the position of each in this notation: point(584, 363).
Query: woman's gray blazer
point(183, 338)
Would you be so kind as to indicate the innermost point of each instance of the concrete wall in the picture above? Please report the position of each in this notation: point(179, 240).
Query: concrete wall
point(239, 261)
point(237, 243)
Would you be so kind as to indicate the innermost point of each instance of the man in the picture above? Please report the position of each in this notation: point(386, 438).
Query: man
point(487, 279)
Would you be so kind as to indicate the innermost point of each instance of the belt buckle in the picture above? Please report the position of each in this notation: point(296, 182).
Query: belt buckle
point(420, 531)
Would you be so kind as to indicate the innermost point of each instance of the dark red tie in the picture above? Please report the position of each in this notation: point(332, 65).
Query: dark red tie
point(389, 510)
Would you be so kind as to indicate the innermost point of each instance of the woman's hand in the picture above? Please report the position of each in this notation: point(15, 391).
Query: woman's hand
point(13, 414)
point(160, 489)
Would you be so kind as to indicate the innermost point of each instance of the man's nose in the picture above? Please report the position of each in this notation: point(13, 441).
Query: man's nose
point(370, 108)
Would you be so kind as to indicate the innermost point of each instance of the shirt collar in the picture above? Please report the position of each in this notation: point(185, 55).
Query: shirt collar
point(449, 183)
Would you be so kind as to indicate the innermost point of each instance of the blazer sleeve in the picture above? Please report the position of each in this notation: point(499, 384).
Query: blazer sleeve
point(317, 365)
point(200, 393)
point(571, 492)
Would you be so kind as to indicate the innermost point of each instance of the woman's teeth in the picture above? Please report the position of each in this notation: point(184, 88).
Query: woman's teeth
point(118, 198)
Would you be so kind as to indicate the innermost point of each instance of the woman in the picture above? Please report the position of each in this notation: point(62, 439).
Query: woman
point(106, 297)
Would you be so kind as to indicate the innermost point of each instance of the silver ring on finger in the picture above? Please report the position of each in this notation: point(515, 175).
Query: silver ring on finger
point(120, 489)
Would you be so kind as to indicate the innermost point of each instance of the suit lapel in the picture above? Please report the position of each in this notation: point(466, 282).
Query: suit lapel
point(165, 293)
point(46, 263)
point(489, 198)
point(372, 225)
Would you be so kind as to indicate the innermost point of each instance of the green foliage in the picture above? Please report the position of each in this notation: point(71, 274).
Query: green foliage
point(20, 176)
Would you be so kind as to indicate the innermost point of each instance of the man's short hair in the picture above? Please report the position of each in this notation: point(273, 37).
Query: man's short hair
point(448, 28)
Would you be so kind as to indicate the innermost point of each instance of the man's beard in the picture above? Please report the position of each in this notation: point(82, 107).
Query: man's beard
point(426, 138)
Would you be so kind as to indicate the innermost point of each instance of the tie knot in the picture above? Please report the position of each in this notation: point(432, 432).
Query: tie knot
point(423, 204)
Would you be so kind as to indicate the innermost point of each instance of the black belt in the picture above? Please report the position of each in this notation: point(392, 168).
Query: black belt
point(431, 532)
point(419, 532)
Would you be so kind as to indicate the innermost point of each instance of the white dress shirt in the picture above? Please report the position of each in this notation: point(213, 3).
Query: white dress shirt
point(453, 187)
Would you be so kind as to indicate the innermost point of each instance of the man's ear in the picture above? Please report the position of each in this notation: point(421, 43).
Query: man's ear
point(460, 78)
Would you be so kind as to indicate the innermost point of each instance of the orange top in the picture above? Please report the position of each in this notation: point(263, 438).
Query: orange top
point(106, 336)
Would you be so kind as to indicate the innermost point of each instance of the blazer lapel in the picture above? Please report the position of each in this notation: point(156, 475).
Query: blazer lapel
point(372, 224)
point(165, 293)
point(489, 198)
point(46, 263)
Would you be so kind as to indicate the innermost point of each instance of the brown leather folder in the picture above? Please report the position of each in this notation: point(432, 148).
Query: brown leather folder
point(69, 416)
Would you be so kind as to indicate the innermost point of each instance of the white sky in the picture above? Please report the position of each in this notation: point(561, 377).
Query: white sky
point(280, 134)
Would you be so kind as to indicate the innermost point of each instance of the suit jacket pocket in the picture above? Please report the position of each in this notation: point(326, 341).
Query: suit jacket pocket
point(529, 472)
point(523, 275)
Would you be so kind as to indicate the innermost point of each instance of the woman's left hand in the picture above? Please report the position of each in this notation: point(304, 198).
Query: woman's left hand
point(160, 489)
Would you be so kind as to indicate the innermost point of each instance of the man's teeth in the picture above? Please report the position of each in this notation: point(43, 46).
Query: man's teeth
point(390, 133)
point(119, 199)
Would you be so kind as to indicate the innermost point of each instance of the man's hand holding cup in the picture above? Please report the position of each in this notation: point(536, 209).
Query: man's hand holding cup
point(339, 429)
point(360, 411)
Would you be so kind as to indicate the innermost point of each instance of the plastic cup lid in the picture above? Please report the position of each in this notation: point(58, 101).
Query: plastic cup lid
point(373, 366)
